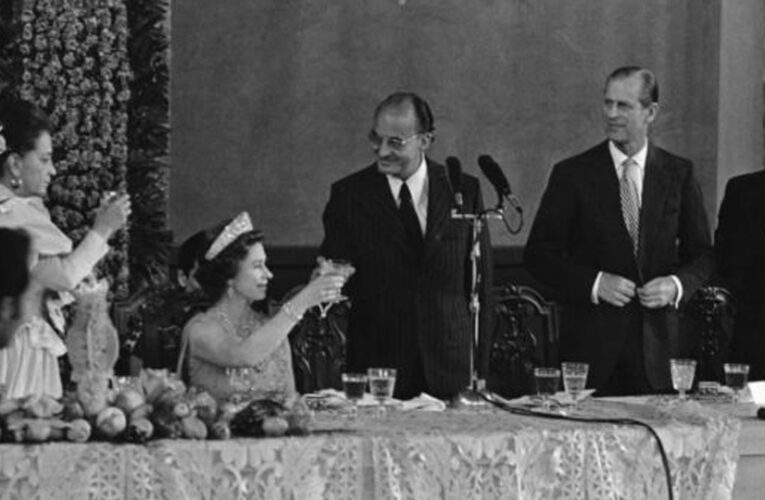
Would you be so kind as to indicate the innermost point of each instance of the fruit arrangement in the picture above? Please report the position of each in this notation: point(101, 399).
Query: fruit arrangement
point(156, 405)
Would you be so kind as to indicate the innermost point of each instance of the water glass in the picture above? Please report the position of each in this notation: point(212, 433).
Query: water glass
point(381, 384)
point(736, 377)
point(547, 380)
point(682, 371)
point(574, 379)
point(354, 385)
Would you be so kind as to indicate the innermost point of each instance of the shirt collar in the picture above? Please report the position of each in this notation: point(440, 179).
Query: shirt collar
point(618, 156)
point(416, 182)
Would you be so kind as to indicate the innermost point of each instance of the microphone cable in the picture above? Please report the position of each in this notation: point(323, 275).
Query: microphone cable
point(593, 420)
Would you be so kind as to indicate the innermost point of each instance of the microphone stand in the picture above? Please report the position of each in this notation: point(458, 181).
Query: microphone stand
point(475, 395)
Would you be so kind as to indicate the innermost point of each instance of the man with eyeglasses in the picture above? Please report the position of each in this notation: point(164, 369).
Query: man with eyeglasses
point(409, 293)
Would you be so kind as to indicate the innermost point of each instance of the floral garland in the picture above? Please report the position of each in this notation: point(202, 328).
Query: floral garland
point(148, 141)
point(75, 66)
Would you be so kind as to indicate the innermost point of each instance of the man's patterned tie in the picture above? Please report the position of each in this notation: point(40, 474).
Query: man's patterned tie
point(631, 200)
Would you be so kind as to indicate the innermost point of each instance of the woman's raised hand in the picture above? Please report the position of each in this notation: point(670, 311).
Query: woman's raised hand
point(112, 215)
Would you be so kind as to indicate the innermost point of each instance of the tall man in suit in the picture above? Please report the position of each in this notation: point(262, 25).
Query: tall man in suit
point(740, 252)
point(622, 236)
point(409, 293)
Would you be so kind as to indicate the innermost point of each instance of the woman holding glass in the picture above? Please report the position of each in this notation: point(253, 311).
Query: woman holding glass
point(29, 365)
point(234, 350)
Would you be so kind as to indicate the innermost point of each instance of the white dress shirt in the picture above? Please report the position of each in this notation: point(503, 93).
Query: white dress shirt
point(418, 187)
point(619, 158)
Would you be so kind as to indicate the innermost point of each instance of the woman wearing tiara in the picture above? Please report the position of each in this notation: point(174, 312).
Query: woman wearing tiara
point(234, 350)
point(29, 365)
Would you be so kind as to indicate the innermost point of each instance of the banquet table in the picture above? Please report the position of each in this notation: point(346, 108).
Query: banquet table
point(453, 454)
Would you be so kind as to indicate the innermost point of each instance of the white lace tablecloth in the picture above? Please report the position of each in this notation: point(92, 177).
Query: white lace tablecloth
point(449, 455)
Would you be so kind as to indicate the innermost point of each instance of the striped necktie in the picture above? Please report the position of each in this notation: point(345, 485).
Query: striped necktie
point(628, 189)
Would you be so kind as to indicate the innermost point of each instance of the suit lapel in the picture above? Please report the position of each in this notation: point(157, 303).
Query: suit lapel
point(439, 205)
point(384, 207)
point(655, 183)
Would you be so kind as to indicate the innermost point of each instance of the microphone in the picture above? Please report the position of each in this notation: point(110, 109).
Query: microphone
point(454, 171)
point(493, 172)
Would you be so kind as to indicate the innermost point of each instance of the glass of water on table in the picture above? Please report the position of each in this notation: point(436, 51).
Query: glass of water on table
point(736, 377)
point(354, 385)
point(381, 384)
point(547, 380)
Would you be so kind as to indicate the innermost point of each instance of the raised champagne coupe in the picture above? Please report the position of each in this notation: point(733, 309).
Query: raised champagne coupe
point(333, 266)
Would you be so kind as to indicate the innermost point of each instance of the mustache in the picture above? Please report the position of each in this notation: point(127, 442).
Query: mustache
point(388, 158)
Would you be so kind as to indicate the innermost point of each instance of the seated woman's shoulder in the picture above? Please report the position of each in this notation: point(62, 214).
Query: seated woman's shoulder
point(202, 324)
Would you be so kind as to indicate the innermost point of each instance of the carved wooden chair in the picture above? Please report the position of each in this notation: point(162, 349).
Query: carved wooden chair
point(318, 347)
point(525, 335)
point(709, 319)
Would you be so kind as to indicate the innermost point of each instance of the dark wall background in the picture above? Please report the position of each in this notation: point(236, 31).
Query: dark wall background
point(271, 100)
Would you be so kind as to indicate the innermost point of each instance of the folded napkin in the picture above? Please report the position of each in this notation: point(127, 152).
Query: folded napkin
point(423, 402)
point(754, 392)
point(332, 398)
point(560, 397)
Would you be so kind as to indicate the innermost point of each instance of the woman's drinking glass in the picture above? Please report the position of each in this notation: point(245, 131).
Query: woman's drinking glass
point(682, 371)
point(241, 380)
point(547, 380)
point(736, 377)
point(333, 266)
point(354, 385)
point(574, 379)
point(381, 384)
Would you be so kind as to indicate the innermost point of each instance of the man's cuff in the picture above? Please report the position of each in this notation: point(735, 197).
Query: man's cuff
point(679, 285)
point(594, 292)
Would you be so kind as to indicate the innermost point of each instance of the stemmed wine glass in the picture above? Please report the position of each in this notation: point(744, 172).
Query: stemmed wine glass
point(574, 379)
point(240, 378)
point(682, 371)
point(333, 266)
point(381, 384)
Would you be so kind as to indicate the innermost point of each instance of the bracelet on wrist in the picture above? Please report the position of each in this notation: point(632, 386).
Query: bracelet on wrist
point(290, 312)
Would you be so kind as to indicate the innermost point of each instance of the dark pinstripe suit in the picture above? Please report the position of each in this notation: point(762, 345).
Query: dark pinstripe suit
point(408, 313)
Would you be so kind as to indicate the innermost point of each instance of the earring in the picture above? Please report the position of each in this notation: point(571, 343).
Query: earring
point(15, 183)
point(230, 292)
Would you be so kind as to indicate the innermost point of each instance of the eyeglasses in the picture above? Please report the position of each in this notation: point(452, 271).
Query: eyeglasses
point(395, 143)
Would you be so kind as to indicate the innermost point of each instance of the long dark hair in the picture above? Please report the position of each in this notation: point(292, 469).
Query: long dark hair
point(213, 275)
point(22, 124)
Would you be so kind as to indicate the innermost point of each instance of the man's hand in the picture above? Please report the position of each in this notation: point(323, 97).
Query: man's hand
point(658, 292)
point(615, 290)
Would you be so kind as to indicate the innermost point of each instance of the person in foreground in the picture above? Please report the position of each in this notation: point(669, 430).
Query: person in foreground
point(234, 350)
point(622, 236)
point(740, 252)
point(29, 365)
point(410, 291)
point(14, 277)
